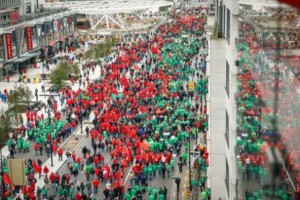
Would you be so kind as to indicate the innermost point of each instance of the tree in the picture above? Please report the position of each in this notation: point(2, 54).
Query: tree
point(89, 54)
point(100, 50)
point(20, 94)
point(60, 74)
point(27, 94)
point(8, 123)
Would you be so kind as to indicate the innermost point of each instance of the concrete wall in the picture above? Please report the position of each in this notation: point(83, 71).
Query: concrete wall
point(222, 50)
point(216, 138)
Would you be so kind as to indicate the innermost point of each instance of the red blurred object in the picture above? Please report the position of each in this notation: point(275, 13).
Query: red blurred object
point(6, 179)
point(294, 3)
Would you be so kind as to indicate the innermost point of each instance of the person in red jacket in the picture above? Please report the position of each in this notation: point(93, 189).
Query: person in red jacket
point(96, 185)
point(68, 177)
point(52, 177)
point(60, 154)
point(36, 148)
point(54, 149)
point(46, 170)
point(78, 196)
point(39, 170)
point(57, 178)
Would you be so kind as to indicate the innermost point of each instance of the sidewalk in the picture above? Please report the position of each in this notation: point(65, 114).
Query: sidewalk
point(71, 144)
point(32, 87)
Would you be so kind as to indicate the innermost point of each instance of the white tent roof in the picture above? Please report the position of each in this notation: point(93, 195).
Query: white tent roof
point(108, 6)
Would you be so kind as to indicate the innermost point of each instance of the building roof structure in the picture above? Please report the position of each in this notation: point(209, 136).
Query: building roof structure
point(107, 12)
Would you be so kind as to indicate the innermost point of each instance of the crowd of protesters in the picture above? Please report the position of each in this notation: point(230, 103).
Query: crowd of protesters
point(143, 113)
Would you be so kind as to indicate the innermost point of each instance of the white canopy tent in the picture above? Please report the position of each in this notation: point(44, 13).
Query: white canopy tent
point(107, 11)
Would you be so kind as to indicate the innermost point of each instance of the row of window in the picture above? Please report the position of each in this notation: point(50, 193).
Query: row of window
point(227, 89)
point(224, 26)
point(7, 4)
point(224, 17)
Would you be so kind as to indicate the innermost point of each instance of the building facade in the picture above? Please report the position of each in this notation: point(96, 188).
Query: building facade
point(245, 37)
point(222, 31)
point(29, 33)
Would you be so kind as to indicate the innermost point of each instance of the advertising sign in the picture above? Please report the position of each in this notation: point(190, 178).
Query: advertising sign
point(191, 85)
point(28, 31)
point(9, 48)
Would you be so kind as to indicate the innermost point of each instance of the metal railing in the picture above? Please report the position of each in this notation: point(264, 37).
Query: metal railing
point(32, 16)
point(10, 4)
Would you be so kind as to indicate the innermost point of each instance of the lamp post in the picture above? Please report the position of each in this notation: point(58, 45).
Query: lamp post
point(44, 76)
point(80, 116)
point(2, 180)
point(190, 170)
point(51, 145)
point(51, 151)
point(177, 181)
point(81, 123)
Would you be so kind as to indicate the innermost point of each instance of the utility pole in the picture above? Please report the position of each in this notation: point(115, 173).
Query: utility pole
point(190, 170)
point(51, 145)
point(2, 180)
point(177, 181)
point(80, 114)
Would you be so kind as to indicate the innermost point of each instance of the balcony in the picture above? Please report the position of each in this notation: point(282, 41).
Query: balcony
point(33, 16)
point(10, 4)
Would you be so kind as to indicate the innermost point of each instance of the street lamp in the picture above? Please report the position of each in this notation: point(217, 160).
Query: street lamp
point(51, 151)
point(177, 181)
point(81, 123)
point(190, 170)
point(2, 180)
point(44, 76)
point(80, 114)
point(51, 145)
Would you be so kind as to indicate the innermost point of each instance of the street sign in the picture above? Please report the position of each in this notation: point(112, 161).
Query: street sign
point(191, 86)
point(17, 171)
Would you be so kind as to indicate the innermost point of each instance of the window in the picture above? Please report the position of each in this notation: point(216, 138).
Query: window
point(28, 9)
point(220, 20)
point(1, 47)
point(227, 86)
point(228, 25)
point(227, 178)
point(227, 129)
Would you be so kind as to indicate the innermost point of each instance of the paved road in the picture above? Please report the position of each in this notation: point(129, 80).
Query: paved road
point(155, 182)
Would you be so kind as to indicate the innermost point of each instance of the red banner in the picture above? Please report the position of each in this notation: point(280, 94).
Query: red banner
point(9, 48)
point(58, 24)
point(294, 3)
point(29, 38)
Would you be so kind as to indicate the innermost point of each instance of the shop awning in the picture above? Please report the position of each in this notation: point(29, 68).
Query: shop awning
point(52, 43)
point(25, 57)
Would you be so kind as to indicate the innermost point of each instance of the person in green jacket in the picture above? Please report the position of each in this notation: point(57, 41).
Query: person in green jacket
point(184, 157)
point(161, 196)
point(151, 197)
point(128, 196)
point(169, 169)
point(154, 168)
point(159, 167)
point(150, 171)
point(44, 193)
point(172, 163)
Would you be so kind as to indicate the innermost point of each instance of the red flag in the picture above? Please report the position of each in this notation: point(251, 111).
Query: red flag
point(294, 3)
point(35, 167)
point(6, 179)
